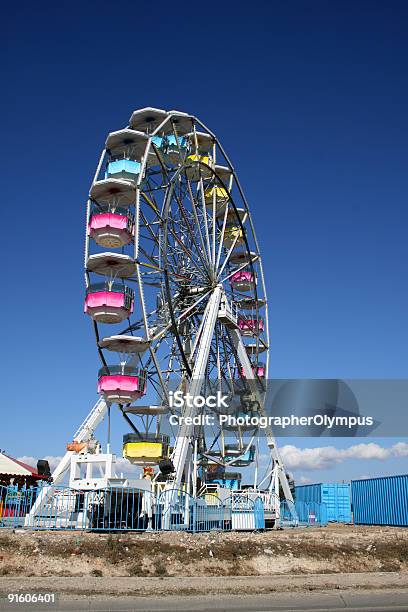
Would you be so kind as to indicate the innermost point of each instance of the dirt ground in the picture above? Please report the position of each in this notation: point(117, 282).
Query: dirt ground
point(331, 550)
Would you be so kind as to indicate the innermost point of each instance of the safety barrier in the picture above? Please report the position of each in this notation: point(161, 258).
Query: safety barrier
point(123, 509)
point(133, 509)
point(303, 514)
point(15, 504)
point(317, 514)
point(211, 514)
point(288, 515)
point(175, 509)
point(247, 512)
point(66, 508)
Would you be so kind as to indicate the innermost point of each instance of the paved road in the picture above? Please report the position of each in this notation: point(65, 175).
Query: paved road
point(358, 601)
point(363, 591)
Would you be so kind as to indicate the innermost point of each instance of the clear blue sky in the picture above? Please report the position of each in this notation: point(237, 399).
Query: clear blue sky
point(309, 100)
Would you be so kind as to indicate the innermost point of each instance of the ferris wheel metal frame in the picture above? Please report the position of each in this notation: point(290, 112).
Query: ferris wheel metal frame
point(195, 215)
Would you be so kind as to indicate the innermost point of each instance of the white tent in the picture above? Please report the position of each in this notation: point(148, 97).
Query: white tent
point(12, 467)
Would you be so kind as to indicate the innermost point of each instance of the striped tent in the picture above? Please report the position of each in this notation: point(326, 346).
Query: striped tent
point(13, 470)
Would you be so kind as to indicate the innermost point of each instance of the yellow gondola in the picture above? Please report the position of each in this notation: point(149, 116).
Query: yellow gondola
point(196, 168)
point(146, 449)
point(233, 234)
point(221, 197)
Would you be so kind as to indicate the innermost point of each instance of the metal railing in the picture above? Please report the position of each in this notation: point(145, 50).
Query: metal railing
point(111, 287)
point(123, 370)
point(303, 514)
point(134, 509)
point(101, 209)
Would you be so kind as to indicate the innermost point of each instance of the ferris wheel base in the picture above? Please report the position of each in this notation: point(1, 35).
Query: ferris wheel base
point(98, 472)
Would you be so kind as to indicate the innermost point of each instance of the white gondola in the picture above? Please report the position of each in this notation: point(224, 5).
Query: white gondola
point(200, 142)
point(127, 143)
point(147, 119)
point(111, 265)
point(228, 314)
point(256, 347)
point(233, 215)
point(125, 344)
point(224, 173)
point(147, 410)
point(179, 122)
point(243, 257)
point(250, 303)
point(116, 192)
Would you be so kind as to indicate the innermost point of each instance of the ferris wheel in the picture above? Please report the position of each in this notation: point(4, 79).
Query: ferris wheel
point(176, 293)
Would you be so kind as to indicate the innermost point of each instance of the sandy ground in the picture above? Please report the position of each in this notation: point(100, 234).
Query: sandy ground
point(111, 587)
point(88, 569)
point(359, 591)
point(334, 549)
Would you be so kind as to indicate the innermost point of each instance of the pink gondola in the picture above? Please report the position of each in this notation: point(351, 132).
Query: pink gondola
point(106, 305)
point(242, 281)
point(258, 370)
point(111, 230)
point(121, 385)
point(250, 327)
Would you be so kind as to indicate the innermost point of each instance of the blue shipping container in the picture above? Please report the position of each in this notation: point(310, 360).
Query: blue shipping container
point(380, 501)
point(336, 496)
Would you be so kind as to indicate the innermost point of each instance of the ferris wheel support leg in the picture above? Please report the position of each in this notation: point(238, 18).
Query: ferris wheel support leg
point(47, 490)
point(187, 480)
point(83, 434)
point(270, 438)
point(275, 488)
point(185, 431)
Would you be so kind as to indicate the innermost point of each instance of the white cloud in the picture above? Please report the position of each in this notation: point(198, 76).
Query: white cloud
point(367, 451)
point(328, 456)
point(401, 449)
point(294, 458)
point(304, 480)
point(53, 461)
point(122, 465)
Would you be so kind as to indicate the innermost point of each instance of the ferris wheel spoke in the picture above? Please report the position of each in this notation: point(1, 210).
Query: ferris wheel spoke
point(221, 247)
point(234, 271)
point(196, 219)
point(181, 317)
point(148, 226)
point(185, 250)
point(190, 230)
point(221, 375)
point(226, 260)
point(214, 227)
point(207, 234)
